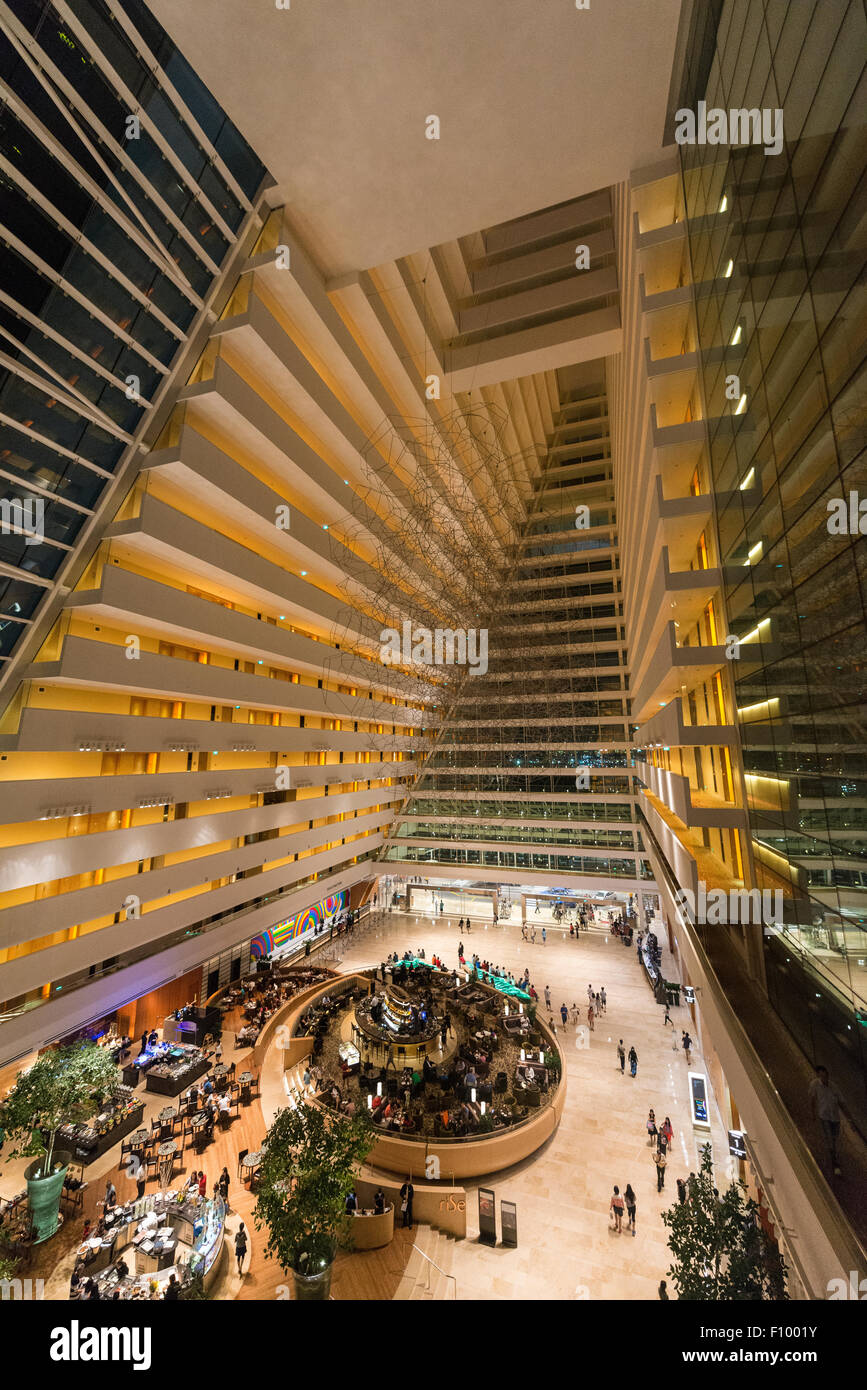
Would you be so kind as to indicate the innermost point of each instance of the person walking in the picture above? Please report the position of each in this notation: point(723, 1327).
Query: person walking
point(630, 1207)
point(659, 1160)
point(686, 1042)
point(603, 1000)
point(825, 1103)
point(616, 1208)
point(681, 1191)
point(589, 994)
point(663, 1291)
point(407, 1192)
point(544, 936)
point(461, 924)
point(564, 1014)
point(240, 1247)
point(621, 1053)
point(591, 1015)
point(575, 1014)
point(650, 1126)
point(667, 1132)
point(548, 998)
point(633, 1061)
point(667, 1018)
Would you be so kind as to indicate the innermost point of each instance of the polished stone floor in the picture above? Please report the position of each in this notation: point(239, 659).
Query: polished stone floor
point(567, 1248)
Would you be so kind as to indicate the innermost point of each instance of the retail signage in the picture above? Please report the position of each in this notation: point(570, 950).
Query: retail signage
point(487, 1216)
point(509, 1222)
point(688, 994)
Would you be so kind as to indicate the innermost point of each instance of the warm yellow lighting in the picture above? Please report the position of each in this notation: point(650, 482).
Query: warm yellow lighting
point(736, 336)
point(748, 479)
point(729, 268)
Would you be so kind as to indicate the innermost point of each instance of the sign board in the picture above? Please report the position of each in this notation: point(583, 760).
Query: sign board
point(509, 1222)
point(737, 1143)
point(487, 1216)
point(698, 1099)
point(688, 994)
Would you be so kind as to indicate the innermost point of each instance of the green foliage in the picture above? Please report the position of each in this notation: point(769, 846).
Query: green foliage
point(308, 1166)
point(552, 1062)
point(65, 1083)
point(719, 1249)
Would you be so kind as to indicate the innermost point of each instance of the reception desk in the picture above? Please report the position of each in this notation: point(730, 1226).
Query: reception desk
point(371, 1231)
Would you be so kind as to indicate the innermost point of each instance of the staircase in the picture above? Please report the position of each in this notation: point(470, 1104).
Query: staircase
point(428, 1279)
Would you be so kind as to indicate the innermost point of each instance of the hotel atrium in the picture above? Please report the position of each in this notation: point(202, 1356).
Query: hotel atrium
point(425, 388)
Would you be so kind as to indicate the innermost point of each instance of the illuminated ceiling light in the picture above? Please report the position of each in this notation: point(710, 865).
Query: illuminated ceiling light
point(736, 336)
point(724, 202)
point(747, 480)
point(728, 270)
point(742, 404)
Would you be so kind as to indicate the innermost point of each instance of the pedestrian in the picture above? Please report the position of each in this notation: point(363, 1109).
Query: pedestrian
point(667, 1132)
point(575, 1014)
point(461, 924)
point(223, 1185)
point(548, 998)
point(630, 1206)
point(633, 1061)
point(825, 1103)
point(621, 1053)
point(590, 994)
point(691, 1183)
point(667, 1018)
point(687, 1044)
point(659, 1160)
point(616, 1208)
point(564, 1014)
point(650, 1126)
point(603, 1000)
point(407, 1192)
point(663, 1291)
point(681, 1191)
point(590, 1017)
point(533, 936)
point(240, 1247)
point(544, 936)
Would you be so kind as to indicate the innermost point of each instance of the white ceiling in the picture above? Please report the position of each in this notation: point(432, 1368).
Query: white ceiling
point(538, 101)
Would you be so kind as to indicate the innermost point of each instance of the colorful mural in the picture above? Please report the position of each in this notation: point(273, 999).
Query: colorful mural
point(308, 920)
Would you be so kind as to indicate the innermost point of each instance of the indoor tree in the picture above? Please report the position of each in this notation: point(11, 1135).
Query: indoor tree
point(308, 1166)
point(719, 1248)
point(65, 1083)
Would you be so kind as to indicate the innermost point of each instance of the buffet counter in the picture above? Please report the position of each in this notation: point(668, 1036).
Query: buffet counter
point(152, 1237)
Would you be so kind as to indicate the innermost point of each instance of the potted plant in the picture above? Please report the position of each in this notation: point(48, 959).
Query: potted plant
point(552, 1062)
point(65, 1083)
point(720, 1250)
point(308, 1166)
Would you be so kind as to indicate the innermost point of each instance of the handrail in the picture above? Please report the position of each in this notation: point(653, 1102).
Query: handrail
point(436, 1266)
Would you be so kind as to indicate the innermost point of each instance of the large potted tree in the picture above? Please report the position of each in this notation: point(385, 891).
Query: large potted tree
point(720, 1250)
point(308, 1167)
point(64, 1084)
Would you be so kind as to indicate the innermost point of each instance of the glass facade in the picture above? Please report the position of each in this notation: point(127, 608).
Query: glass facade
point(777, 252)
point(123, 189)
